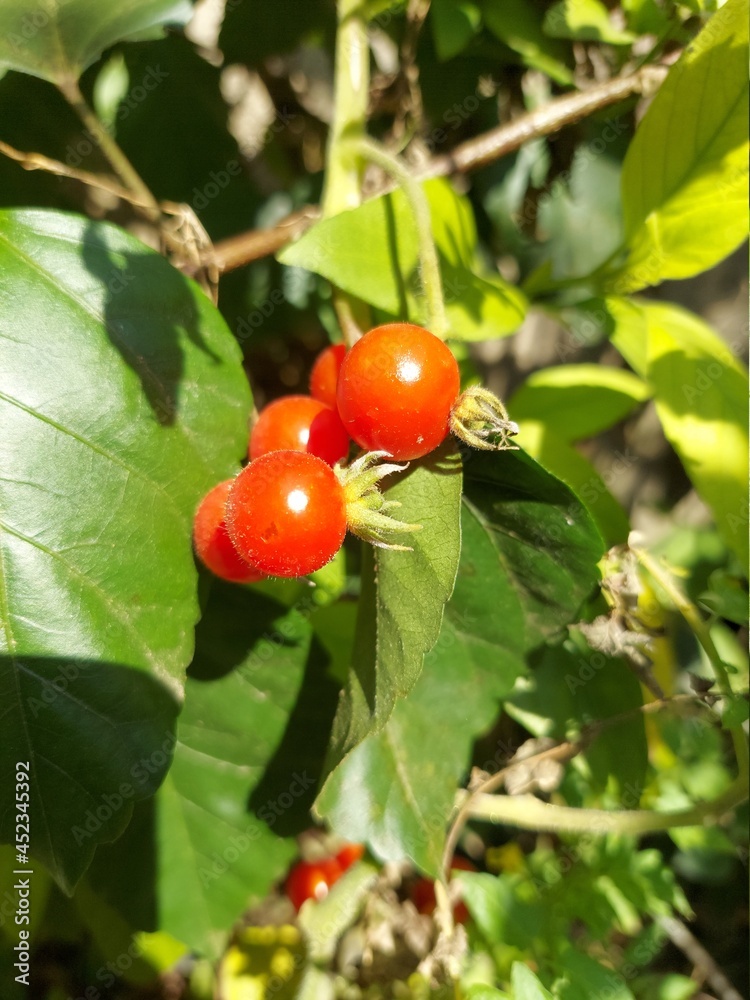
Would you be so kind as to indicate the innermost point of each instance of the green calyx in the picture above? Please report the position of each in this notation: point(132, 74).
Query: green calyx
point(480, 419)
point(367, 510)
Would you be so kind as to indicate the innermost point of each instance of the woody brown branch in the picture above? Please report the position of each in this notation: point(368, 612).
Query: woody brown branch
point(237, 251)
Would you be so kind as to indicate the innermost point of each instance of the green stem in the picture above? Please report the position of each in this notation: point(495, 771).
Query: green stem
point(117, 159)
point(430, 268)
point(343, 180)
point(702, 633)
point(530, 813)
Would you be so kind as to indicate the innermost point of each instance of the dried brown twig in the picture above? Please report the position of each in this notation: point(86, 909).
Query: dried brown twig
point(237, 251)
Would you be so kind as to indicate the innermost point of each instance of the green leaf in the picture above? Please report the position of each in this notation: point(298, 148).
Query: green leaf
point(589, 201)
point(517, 23)
point(726, 597)
point(525, 984)
point(402, 599)
point(684, 180)
point(454, 24)
point(561, 459)
point(371, 252)
point(544, 539)
point(701, 397)
point(122, 400)
point(58, 40)
point(571, 686)
point(578, 401)
point(392, 791)
point(654, 986)
point(213, 844)
point(584, 20)
point(584, 978)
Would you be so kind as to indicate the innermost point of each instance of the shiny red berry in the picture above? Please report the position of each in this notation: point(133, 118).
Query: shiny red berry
point(349, 854)
point(212, 542)
point(286, 513)
point(324, 376)
point(396, 389)
point(307, 880)
point(300, 423)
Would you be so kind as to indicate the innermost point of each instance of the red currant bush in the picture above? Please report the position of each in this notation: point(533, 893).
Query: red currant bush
point(324, 376)
point(212, 542)
point(286, 513)
point(300, 423)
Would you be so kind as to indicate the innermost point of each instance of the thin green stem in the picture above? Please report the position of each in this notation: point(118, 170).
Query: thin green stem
point(117, 159)
point(702, 633)
point(343, 182)
point(430, 268)
point(530, 813)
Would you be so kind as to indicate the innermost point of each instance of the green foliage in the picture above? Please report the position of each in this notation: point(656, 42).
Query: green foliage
point(402, 600)
point(684, 179)
point(187, 739)
point(372, 252)
point(701, 398)
point(391, 791)
point(121, 369)
point(57, 42)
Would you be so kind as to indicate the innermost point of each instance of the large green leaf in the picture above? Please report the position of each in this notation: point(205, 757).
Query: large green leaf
point(393, 790)
point(58, 39)
point(402, 599)
point(122, 400)
point(372, 252)
point(212, 847)
point(701, 398)
point(578, 401)
point(684, 181)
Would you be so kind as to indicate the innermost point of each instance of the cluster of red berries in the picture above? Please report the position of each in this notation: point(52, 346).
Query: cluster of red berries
point(395, 393)
point(313, 879)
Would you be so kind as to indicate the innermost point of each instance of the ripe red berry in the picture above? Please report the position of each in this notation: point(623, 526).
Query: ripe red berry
point(348, 854)
point(422, 892)
point(286, 513)
point(324, 376)
point(212, 542)
point(396, 389)
point(307, 880)
point(300, 423)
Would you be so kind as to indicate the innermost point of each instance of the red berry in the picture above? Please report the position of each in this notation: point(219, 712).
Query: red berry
point(212, 541)
point(348, 854)
point(286, 513)
point(422, 892)
point(332, 869)
point(300, 423)
point(325, 374)
point(307, 881)
point(396, 389)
